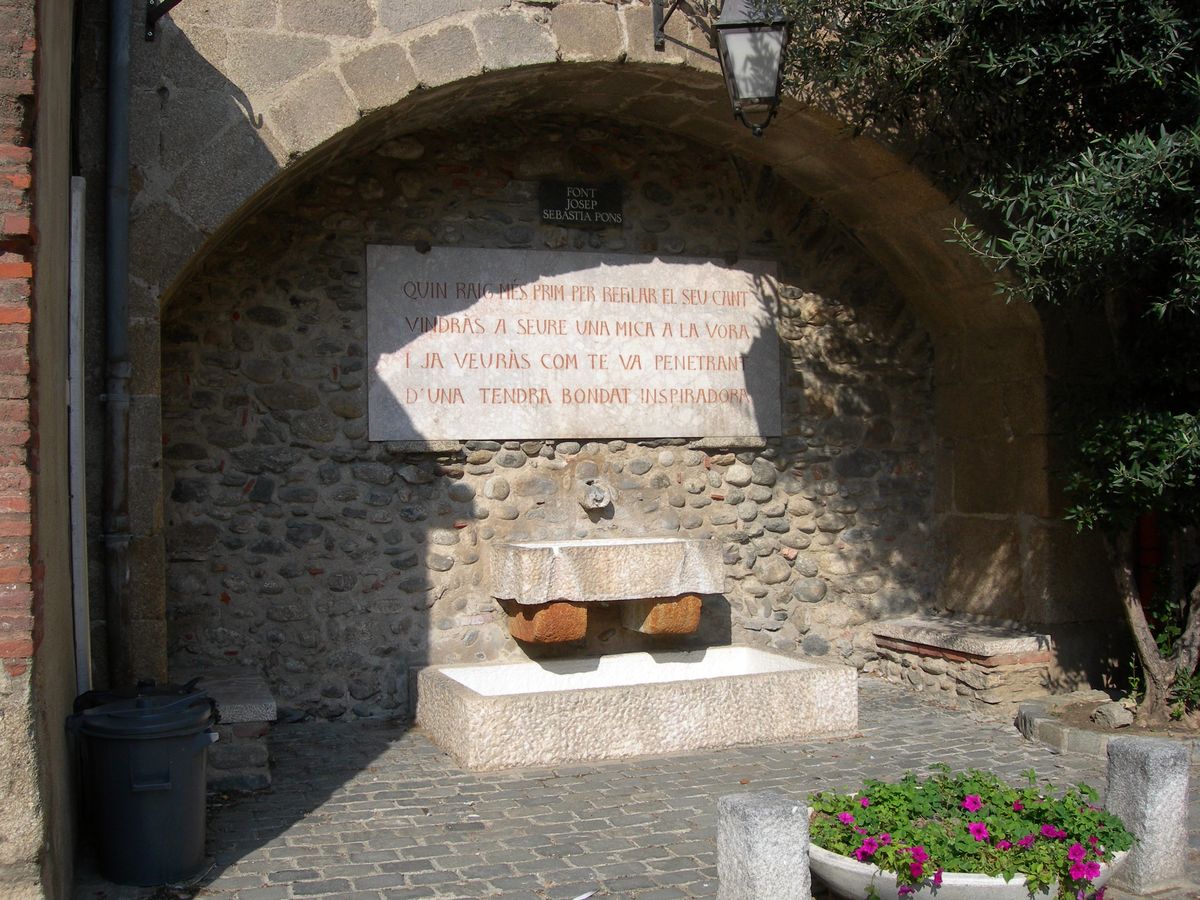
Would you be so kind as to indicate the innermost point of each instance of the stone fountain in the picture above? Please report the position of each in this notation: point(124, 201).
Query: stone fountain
point(493, 716)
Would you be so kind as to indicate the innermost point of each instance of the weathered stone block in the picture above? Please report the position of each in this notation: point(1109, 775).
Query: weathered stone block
point(984, 572)
point(445, 56)
point(401, 15)
point(587, 31)
point(315, 109)
point(261, 63)
point(994, 477)
point(352, 18)
point(380, 76)
point(662, 615)
point(762, 848)
point(1148, 791)
point(639, 27)
point(546, 623)
point(218, 179)
point(508, 40)
point(972, 638)
point(153, 262)
point(1068, 576)
point(232, 753)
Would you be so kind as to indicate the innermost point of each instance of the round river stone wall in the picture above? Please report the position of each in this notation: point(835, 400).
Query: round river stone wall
point(334, 564)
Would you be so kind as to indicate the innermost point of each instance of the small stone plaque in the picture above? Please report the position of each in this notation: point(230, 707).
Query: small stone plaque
point(575, 205)
point(470, 343)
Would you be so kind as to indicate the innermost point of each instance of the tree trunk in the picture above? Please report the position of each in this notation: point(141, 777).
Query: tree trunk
point(1160, 672)
point(1189, 642)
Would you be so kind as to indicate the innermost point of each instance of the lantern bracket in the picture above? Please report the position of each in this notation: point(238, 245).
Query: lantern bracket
point(155, 10)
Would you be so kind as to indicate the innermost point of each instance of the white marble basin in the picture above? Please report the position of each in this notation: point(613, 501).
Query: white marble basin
point(501, 715)
point(602, 570)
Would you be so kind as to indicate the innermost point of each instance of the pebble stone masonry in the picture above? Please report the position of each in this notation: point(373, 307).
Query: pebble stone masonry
point(335, 563)
point(424, 114)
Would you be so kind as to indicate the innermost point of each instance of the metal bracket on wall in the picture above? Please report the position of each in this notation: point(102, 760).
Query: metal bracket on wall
point(155, 10)
point(660, 22)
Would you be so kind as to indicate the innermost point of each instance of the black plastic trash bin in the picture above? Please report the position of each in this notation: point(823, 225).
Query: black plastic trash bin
point(143, 757)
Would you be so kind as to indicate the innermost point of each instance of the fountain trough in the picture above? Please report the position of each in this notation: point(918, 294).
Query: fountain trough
point(496, 716)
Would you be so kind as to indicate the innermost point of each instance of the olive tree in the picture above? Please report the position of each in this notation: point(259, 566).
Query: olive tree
point(1070, 132)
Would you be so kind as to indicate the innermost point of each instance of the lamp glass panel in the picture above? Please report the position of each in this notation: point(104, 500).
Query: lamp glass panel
point(752, 58)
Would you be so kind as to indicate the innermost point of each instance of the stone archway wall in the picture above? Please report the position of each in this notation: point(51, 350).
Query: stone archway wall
point(335, 563)
point(238, 101)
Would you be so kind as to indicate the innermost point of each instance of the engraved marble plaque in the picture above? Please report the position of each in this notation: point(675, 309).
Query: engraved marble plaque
point(468, 343)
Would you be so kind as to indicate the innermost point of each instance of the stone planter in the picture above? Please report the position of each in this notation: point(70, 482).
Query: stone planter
point(847, 877)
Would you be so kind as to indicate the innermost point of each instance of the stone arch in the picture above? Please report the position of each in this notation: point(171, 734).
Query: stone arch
point(246, 99)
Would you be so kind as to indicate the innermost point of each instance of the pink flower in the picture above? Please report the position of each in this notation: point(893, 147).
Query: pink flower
point(1018, 806)
point(972, 803)
point(846, 818)
point(918, 853)
point(916, 869)
point(1077, 852)
point(1003, 845)
point(885, 839)
point(1093, 840)
point(937, 878)
point(1077, 870)
point(1026, 842)
point(864, 802)
point(1050, 831)
point(978, 830)
point(868, 848)
point(904, 890)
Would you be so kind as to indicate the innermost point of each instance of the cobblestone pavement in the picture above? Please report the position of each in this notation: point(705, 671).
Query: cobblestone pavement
point(376, 811)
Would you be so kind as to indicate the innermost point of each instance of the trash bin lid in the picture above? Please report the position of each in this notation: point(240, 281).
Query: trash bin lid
point(149, 715)
point(93, 698)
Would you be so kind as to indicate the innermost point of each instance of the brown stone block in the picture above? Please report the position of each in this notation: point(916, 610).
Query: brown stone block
point(380, 76)
point(999, 477)
point(546, 623)
point(639, 27)
point(983, 573)
point(662, 615)
point(1068, 576)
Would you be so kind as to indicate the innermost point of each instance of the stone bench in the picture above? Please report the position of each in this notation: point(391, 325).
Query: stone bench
point(239, 760)
point(989, 664)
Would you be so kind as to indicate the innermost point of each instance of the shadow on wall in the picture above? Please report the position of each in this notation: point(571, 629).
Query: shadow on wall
point(179, 104)
point(333, 563)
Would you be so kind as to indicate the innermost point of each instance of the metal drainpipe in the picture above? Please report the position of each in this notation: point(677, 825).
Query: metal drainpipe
point(121, 663)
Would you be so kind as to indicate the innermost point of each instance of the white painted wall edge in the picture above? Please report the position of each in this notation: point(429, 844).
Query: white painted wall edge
point(77, 443)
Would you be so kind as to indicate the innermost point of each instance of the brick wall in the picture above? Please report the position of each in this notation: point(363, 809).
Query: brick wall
point(17, 239)
point(23, 836)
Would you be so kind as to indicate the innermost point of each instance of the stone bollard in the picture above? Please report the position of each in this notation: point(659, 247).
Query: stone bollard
point(1148, 791)
point(762, 848)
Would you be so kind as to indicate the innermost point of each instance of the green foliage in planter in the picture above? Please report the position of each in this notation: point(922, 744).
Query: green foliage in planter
point(971, 822)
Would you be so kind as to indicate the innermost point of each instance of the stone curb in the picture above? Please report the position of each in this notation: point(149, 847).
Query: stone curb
point(1036, 723)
